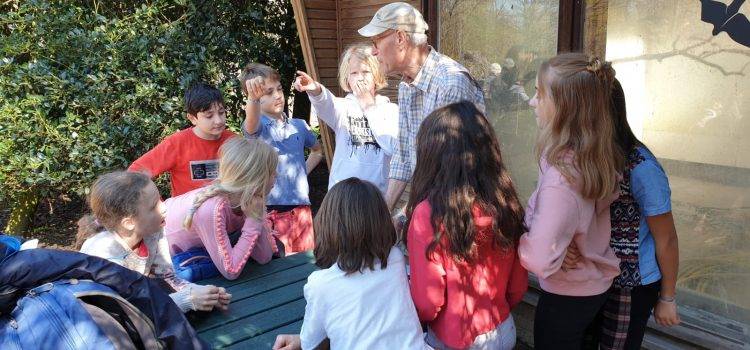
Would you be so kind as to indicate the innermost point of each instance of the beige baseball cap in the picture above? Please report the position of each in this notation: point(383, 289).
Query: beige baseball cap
point(397, 16)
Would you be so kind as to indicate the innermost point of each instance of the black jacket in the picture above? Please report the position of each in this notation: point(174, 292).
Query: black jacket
point(23, 270)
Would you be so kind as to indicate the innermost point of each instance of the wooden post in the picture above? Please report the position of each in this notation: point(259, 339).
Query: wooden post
point(570, 26)
point(300, 18)
point(430, 13)
point(595, 28)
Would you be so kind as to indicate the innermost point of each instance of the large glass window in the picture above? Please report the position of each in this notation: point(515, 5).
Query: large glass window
point(687, 98)
point(502, 43)
point(688, 101)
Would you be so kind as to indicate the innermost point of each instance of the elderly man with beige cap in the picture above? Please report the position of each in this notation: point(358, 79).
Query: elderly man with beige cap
point(430, 80)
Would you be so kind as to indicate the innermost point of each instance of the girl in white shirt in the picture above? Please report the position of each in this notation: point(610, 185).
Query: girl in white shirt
point(360, 299)
point(125, 227)
point(365, 123)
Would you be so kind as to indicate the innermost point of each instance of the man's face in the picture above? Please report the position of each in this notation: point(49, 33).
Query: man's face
point(386, 50)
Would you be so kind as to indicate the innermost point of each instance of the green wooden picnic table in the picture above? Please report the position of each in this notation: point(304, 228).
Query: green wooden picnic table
point(267, 300)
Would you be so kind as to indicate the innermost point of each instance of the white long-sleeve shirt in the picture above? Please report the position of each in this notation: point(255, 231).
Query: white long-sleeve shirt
point(365, 140)
point(371, 309)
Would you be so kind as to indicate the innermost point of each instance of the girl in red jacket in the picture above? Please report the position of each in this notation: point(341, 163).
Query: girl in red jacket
point(463, 231)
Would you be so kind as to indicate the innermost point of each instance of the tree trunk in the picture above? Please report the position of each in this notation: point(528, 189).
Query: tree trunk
point(23, 212)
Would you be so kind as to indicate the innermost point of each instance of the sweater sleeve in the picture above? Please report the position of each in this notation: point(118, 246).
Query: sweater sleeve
point(156, 161)
point(518, 283)
point(162, 266)
point(210, 223)
point(183, 298)
point(265, 247)
point(427, 275)
point(551, 229)
point(329, 109)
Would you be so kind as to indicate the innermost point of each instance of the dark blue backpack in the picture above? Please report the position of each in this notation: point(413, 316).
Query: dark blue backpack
point(73, 314)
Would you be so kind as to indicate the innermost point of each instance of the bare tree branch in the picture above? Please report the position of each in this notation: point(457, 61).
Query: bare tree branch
point(700, 57)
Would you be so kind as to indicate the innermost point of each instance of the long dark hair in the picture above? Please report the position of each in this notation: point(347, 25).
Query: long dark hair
point(459, 166)
point(624, 137)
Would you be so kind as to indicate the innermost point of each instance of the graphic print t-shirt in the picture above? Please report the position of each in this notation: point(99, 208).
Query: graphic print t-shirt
point(365, 140)
point(191, 161)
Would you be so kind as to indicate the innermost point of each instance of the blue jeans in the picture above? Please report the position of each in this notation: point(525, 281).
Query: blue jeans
point(503, 337)
point(194, 265)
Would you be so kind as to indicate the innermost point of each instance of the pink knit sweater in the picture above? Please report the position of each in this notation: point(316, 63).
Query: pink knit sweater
point(211, 223)
point(557, 214)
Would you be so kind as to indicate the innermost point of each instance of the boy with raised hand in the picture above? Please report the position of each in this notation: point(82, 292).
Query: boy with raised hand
point(191, 156)
point(289, 202)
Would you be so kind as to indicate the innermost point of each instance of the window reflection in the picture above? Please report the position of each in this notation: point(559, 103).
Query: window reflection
point(687, 100)
point(502, 43)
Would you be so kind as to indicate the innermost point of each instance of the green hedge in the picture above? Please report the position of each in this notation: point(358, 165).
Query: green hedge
point(88, 86)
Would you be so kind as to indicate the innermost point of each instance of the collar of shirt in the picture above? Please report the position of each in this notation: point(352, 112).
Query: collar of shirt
point(272, 121)
point(426, 72)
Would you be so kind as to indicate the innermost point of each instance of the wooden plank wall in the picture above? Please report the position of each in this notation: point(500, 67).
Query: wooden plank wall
point(323, 27)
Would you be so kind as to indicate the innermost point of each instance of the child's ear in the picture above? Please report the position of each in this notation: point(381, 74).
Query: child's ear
point(192, 118)
point(128, 223)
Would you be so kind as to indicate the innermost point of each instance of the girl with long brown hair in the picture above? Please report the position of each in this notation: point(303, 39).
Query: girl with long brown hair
point(578, 179)
point(463, 231)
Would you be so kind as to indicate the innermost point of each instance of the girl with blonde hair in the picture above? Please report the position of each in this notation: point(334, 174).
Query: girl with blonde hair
point(198, 222)
point(365, 123)
point(578, 180)
point(125, 227)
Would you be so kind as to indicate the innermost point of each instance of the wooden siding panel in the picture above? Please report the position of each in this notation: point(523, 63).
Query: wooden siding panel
point(322, 23)
point(320, 5)
point(318, 33)
point(321, 14)
point(325, 43)
point(362, 3)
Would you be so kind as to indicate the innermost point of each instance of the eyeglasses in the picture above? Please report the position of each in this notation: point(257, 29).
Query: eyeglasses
point(381, 36)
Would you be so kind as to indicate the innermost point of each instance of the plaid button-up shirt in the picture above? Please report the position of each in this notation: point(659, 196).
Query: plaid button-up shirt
point(440, 82)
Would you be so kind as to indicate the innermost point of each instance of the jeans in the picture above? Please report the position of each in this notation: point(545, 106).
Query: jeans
point(503, 337)
point(194, 265)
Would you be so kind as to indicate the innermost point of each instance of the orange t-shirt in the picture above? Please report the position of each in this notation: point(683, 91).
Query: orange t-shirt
point(191, 161)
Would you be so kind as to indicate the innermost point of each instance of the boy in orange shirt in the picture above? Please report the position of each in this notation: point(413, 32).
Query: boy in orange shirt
point(190, 156)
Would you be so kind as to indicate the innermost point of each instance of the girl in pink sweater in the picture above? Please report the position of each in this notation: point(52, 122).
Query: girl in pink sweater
point(465, 221)
point(578, 164)
point(198, 222)
point(125, 227)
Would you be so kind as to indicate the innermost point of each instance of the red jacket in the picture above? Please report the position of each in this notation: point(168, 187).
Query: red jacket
point(460, 300)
